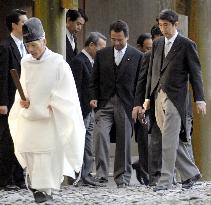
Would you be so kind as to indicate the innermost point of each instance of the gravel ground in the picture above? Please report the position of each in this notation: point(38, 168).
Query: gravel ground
point(135, 194)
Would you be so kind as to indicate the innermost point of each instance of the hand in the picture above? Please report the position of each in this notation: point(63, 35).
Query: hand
point(201, 107)
point(93, 103)
point(25, 103)
point(141, 115)
point(146, 104)
point(135, 112)
point(3, 109)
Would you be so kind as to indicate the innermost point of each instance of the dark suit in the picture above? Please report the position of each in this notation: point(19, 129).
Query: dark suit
point(114, 88)
point(70, 53)
point(149, 154)
point(10, 170)
point(167, 81)
point(81, 68)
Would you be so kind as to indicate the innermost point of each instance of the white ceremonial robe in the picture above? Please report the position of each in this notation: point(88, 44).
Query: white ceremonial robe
point(50, 134)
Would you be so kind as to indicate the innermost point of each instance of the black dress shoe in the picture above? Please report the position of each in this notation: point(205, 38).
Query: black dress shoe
point(91, 181)
point(123, 185)
point(41, 197)
point(11, 187)
point(141, 176)
point(21, 185)
point(159, 188)
point(101, 179)
point(187, 184)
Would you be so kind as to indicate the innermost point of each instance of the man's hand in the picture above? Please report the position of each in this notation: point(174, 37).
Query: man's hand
point(146, 104)
point(3, 109)
point(25, 103)
point(201, 107)
point(135, 112)
point(93, 103)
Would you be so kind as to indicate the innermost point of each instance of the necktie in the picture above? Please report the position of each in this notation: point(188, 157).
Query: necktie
point(22, 49)
point(72, 42)
point(167, 47)
point(118, 57)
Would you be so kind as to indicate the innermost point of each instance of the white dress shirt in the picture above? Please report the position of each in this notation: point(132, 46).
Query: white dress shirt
point(88, 56)
point(19, 44)
point(118, 54)
point(71, 39)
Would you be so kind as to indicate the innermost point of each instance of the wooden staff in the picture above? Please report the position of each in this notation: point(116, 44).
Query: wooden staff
point(16, 80)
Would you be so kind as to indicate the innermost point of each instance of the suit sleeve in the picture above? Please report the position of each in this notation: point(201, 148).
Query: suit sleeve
point(95, 79)
point(4, 72)
point(77, 70)
point(195, 76)
point(142, 80)
point(149, 75)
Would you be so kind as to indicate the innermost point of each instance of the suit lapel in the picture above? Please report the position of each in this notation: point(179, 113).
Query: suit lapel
point(87, 62)
point(173, 51)
point(15, 49)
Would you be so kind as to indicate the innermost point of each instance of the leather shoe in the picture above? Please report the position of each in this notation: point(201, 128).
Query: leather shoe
point(101, 179)
point(11, 187)
point(90, 181)
point(187, 184)
point(141, 176)
point(123, 185)
point(159, 188)
point(21, 185)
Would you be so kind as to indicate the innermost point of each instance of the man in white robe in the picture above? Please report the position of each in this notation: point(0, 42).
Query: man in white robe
point(47, 129)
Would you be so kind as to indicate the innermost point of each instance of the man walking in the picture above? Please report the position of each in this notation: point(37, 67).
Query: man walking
point(112, 90)
point(11, 51)
point(81, 66)
point(75, 19)
point(174, 60)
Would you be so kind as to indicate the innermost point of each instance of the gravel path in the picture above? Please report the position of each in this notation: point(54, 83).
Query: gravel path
point(135, 194)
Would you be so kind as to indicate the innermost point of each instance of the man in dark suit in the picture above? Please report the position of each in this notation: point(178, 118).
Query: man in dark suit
point(81, 66)
point(149, 164)
point(11, 52)
point(112, 90)
point(75, 19)
point(144, 42)
point(174, 60)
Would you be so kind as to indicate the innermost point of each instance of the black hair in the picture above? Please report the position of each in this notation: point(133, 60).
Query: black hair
point(155, 30)
point(118, 26)
point(74, 14)
point(13, 17)
point(168, 15)
point(142, 38)
point(94, 38)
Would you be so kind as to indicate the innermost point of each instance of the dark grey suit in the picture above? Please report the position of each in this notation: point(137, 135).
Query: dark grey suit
point(10, 170)
point(81, 68)
point(114, 88)
point(167, 79)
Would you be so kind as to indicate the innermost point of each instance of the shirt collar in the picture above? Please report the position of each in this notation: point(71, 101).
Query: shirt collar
point(17, 40)
point(122, 50)
point(69, 35)
point(88, 56)
point(172, 39)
